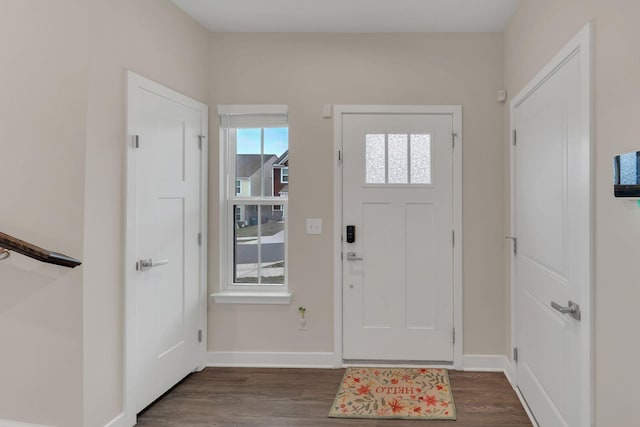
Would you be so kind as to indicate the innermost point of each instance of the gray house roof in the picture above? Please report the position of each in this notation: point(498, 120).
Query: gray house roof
point(248, 164)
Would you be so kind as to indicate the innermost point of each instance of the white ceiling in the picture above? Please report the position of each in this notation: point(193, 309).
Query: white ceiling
point(351, 16)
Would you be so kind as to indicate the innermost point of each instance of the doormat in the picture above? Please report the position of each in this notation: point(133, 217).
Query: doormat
point(394, 393)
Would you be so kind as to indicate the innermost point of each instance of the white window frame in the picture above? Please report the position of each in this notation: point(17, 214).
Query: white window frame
point(282, 174)
point(228, 291)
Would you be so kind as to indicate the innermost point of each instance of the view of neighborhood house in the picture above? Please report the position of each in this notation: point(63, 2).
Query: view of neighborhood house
point(262, 171)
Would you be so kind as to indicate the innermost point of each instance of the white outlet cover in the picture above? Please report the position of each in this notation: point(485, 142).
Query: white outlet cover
point(314, 225)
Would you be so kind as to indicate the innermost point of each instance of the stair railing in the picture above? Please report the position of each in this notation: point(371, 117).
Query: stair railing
point(9, 243)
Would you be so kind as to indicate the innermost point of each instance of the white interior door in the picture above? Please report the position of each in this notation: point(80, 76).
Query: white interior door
point(398, 272)
point(167, 272)
point(552, 264)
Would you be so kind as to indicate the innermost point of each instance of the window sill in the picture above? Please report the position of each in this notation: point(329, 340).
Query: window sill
point(231, 297)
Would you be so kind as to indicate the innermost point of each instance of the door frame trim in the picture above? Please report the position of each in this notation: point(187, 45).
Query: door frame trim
point(133, 82)
point(582, 43)
point(456, 112)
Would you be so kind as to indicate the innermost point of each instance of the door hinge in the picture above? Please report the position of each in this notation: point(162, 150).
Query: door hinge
point(200, 141)
point(515, 244)
point(453, 139)
point(136, 141)
point(199, 239)
point(453, 237)
point(454, 335)
point(199, 335)
point(514, 137)
point(339, 155)
point(515, 354)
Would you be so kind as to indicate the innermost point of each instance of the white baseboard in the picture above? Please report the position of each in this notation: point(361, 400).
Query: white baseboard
point(270, 359)
point(484, 363)
point(509, 372)
point(118, 421)
point(10, 423)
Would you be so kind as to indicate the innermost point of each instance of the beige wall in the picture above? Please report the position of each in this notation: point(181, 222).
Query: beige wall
point(62, 133)
point(537, 31)
point(43, 88)
point(154, 39)
point(306, 71)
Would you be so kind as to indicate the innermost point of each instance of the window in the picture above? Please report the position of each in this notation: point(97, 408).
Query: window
point(284, 175)
point(397, 158)
point(253, 138)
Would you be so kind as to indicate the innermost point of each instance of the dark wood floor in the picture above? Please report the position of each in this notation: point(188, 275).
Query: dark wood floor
point(302, 397)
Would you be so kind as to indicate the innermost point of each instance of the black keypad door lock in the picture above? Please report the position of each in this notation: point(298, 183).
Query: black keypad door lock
point(351, 233)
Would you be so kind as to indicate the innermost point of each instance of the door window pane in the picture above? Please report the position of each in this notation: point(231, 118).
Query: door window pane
point(375, 159)
point(397, 155)
point(397, 158)
point(420, 159)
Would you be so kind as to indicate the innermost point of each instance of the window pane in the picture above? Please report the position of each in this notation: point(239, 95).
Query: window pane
point(272, 244)
point(276, 141)
point(276, 149)
point(259, 244)
point(398, 164)
point(246, 243)
point(375, 159)
point(420, 159)
point(249, 161)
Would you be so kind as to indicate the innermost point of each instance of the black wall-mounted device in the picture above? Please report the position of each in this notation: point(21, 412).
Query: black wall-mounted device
point(351, 233)
point(626, 175)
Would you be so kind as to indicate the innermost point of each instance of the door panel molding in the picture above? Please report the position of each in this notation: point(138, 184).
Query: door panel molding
point(582, 45)
point(456, 112)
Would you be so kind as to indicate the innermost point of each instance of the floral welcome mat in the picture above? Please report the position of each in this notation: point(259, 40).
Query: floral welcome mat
point(398, 393)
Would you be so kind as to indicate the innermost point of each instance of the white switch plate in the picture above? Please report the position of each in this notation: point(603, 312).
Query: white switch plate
point(314, 225)
point(326, 111)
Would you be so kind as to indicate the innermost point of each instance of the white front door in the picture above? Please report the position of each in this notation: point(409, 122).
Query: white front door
point(552, 261)
point(166, 258)
point(398, 267)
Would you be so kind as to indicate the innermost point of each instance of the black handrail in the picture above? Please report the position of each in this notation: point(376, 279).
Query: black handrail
point(32, 251)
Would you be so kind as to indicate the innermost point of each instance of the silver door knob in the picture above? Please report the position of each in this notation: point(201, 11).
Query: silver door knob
point(147, 263)
point(351, 256)
point(572, 309)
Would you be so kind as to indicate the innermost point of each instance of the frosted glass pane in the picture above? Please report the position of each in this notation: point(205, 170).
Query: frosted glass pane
point(398, 163)
point(628, 169)
point(375, 158)
point(420, 159)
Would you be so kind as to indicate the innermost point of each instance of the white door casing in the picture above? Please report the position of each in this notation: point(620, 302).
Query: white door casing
point(165, 224)
point(551, 219)
point(403, 299)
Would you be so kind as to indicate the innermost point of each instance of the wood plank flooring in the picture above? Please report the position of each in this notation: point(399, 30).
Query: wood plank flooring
point(302, 397)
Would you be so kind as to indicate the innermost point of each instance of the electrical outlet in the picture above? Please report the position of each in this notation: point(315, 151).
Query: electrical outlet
point(314, 226)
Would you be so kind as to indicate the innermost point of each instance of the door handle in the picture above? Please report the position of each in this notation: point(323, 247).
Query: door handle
point(148, 263)
point(572, 309)
point(351, 256)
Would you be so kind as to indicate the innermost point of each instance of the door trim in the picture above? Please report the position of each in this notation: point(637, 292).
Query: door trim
point(135, 81)
point(456, 112)
point(582, 43)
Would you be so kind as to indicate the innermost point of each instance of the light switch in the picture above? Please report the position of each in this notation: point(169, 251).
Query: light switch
point(314, 225)
point(326, 111)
